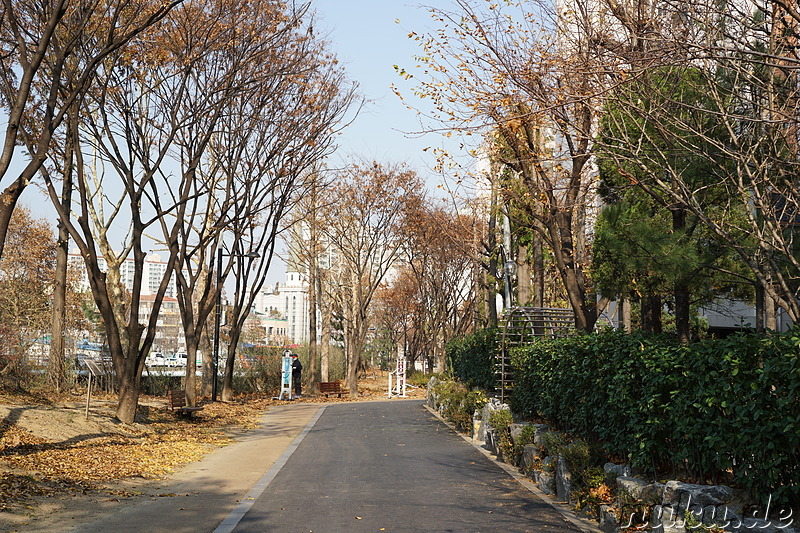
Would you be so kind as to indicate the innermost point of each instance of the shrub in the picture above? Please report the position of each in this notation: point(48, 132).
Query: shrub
point(524, 438)
point(472, 358)
point(708, 408)
point(420, 379)
point(457, 403)
point(501, 421)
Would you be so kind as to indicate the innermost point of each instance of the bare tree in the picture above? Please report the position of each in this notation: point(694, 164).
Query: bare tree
point(50, 54)
point(361, 225)
point(437, 249)
point(134, 119)
point(529, 83)
point(247, 180)
point(299, 118)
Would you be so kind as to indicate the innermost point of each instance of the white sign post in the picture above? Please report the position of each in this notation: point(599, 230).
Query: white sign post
point(286, 376)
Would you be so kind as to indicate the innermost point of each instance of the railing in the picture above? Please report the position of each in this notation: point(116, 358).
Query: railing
point(520, 326)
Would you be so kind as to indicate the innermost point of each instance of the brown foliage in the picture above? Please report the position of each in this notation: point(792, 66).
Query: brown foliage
point(26, 275)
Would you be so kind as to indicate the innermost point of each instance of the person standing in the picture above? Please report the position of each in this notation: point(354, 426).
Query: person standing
point(297, 374)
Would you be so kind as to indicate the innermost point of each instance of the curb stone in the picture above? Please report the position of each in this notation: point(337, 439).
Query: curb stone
point(585, 525)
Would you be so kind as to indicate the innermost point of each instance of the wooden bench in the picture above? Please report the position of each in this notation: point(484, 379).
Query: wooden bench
point(177, 402)
point(329, 388)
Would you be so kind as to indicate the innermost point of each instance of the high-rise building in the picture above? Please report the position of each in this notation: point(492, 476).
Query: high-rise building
point(154, 270)
point(288, 301)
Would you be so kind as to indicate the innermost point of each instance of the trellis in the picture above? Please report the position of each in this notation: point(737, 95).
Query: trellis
point(520, 326)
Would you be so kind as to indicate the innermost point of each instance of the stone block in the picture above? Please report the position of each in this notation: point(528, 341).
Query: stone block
point(546, 482)
point(608, 519)
point(483, 414)
point(728, 516)
point(539, 433)
point(760, 525)
point(530, 453)
point(515, 430)
point(613, 470)
point(709, 516)
point(490, 441)
point(665, 519)
point(478, 435)
point(563, 480)
point(629, 488)
point(633, 490)
point(685, 495)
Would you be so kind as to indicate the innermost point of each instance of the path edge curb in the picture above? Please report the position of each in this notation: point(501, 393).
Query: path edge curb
point(583, 524)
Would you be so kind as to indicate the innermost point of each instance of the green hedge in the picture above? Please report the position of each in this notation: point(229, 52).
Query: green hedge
point(712, 407)
point(472, 358)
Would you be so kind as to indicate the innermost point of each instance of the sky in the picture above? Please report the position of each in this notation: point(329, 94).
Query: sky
point(369, 38)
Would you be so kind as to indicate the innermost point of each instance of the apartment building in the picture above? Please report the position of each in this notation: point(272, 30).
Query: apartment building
point(154, 270)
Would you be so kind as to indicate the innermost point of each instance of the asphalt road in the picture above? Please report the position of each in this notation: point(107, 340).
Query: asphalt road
point(389, 466)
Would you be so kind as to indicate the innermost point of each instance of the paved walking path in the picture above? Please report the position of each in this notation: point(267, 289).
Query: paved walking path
point(345, 467)
point(392, 466)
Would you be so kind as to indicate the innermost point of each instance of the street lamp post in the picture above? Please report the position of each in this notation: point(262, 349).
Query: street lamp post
point(508, 271)
point(217, 316)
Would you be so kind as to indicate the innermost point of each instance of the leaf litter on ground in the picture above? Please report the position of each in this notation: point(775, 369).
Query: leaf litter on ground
point(152, 448)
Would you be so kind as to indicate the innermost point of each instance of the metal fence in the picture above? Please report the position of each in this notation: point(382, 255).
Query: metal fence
point(521, 325)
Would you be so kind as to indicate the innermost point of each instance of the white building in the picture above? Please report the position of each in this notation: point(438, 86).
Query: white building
point(290, 301)
point(154, 270)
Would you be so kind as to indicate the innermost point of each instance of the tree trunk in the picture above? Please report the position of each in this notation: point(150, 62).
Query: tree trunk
point(56, 372)
point(354, 327)
point(128, 385)
point(759, 325)
point(313, 353)
point(190, 382)
point(491, 238)
point(538, 271)
point(770, 312)
point(206, 388)
point(353, 360)
point(227, 380)
point(560, 231)
point(523, 276)
point(682, 313)
point(626, 314)
point(313, 274)
point(325, 337)
point(651, 313)
point(682, 294)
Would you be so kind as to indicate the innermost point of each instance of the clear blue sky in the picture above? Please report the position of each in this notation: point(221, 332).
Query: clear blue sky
point(369, 38)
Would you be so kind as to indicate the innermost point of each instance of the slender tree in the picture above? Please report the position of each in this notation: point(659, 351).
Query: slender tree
point(362, 226)
point(529, 84)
